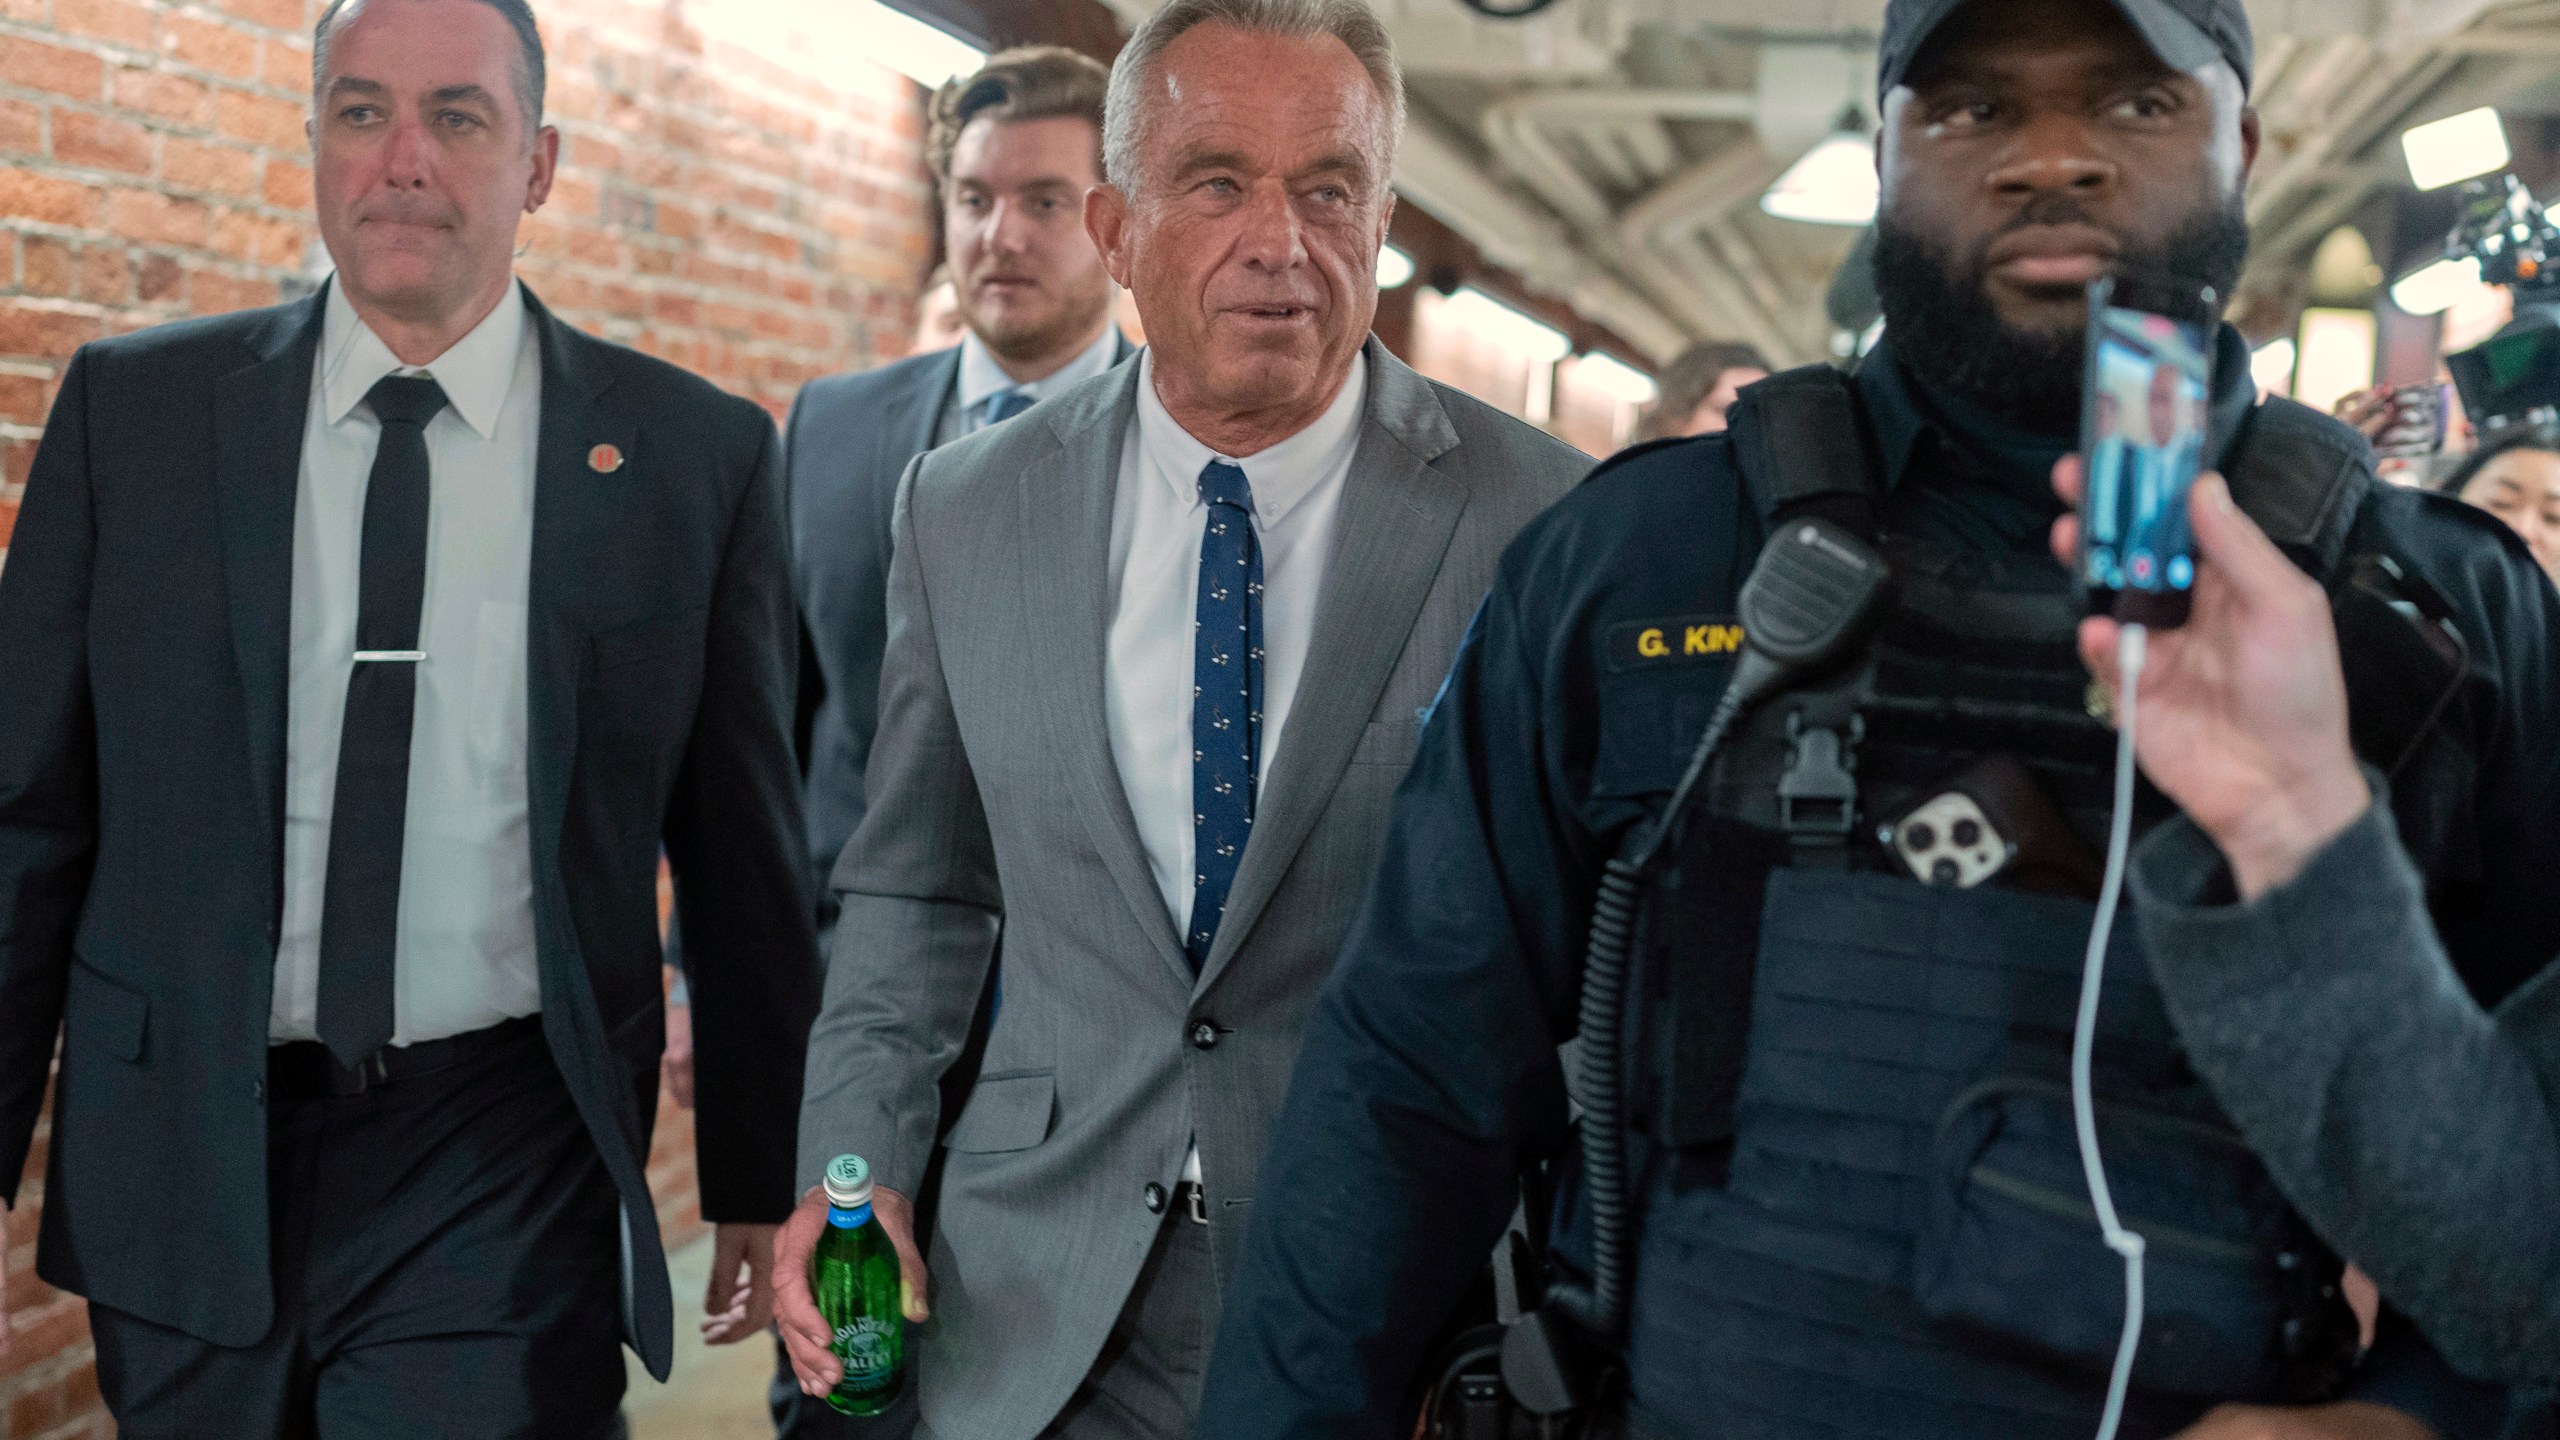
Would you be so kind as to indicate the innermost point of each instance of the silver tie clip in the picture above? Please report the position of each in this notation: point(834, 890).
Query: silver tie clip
point(367, 657)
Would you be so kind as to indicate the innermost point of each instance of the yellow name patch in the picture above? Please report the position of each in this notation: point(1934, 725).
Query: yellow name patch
point(1682, 639)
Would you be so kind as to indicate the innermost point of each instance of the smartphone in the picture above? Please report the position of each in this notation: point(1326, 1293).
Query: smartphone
point(2143, 413)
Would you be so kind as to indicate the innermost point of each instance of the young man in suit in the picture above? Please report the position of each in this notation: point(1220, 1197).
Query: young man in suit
point(1157, 655)
point(1014, 148)
point(356, 658)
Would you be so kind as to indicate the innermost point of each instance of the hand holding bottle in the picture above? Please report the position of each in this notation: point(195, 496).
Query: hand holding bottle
point(825, 1264)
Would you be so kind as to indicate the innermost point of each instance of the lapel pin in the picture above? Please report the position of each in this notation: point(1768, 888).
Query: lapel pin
point(604, 459)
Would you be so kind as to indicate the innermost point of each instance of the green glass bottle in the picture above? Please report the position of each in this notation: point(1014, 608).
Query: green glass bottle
point(855, 1277)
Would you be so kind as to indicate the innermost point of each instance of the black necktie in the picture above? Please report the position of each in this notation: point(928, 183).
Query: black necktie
point(360, 900)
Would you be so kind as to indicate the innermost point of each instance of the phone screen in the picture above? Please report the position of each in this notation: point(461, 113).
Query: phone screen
point(2143, 421)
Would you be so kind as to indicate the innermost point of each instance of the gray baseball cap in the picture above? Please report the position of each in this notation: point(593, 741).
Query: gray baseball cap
point(2185, 34)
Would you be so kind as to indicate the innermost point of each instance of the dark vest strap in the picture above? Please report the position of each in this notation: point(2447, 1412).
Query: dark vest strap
point(2302, 477)
point(1799, 439)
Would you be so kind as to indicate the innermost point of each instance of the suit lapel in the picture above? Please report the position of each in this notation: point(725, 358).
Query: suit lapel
point(1066, 533)
point(1398, 513)
point(572, 505)
point(915, 419)
point(258, 419)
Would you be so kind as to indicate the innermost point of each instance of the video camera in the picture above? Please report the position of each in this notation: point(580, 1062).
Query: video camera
point(2513, 378)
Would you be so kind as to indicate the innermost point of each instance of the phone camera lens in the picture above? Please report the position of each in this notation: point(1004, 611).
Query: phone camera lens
point(1968, 833)
point(1943, 873)
point(1920, 837)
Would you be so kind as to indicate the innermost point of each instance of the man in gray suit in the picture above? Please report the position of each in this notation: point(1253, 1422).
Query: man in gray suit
point(1158, 653)
point(1013, 147)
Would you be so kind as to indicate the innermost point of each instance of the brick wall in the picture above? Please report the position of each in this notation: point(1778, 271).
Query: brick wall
point(751, 209)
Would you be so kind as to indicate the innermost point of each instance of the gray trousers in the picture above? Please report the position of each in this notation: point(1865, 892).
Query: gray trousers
point(1146, 1383)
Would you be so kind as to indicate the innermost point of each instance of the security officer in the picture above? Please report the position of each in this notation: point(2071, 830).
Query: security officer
point(1856, 1205)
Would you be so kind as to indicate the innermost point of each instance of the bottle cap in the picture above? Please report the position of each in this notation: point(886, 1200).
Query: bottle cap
point(848, 1182)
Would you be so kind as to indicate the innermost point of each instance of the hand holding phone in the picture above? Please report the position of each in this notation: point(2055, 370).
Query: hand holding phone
point(2143, 429)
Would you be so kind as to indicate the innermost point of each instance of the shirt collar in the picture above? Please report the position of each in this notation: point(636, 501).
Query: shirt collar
point(1280, 475)
point(981, 376)
point(1900, 416)
point(476, 371)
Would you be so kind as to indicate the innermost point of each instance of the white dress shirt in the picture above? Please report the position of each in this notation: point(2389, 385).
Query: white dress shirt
point(980, 378)
point(465, 945)
point(1156, 523)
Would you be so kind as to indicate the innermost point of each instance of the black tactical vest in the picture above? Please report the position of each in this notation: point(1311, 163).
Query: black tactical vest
point(1862, 1207)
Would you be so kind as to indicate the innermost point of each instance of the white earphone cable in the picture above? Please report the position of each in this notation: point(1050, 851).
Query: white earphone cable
point(2131, 649)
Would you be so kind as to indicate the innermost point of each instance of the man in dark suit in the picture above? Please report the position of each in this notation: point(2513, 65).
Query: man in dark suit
point(1014, 146)
point(356, 658)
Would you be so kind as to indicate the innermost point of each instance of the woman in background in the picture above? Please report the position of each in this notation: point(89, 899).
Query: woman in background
point(2515, 475)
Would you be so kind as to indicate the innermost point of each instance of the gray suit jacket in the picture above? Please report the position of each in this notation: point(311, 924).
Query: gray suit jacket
point(995, 802)
point(848, 440)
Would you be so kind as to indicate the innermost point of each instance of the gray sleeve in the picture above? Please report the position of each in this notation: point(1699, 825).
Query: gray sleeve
point(2417, 1132)
point(919, 912)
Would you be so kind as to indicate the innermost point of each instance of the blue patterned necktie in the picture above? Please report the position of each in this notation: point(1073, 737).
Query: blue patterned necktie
point(1226, 698)
point(1004, 405)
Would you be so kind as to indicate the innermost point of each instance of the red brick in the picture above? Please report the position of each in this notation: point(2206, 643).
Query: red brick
point(106, 274)
point(154, 218)
point(209, 45)
point(259, 119)
point(8, 522)
point(39, 66)
point(222, 169)
point(27, 328)
point(45, 267)
point(160, 279)
point(286, 64)
point(21, 127)
point(23, 401)
point(121, 23)
point(211, 292)
point(46, 199)
point(257, 239)
point(164, 95)
point(31, 12)
point(16, 458)
point(97, 142)
point(288, 185)
point(274, 14)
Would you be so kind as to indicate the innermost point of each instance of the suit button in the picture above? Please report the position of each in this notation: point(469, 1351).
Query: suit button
point(257, 1092)
point(1204, 1036)
point(1155, 1198)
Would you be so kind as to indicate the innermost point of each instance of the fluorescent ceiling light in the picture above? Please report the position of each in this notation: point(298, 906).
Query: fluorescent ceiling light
point(1394, 267)
point(2271, 365)
point(1522, 334)
point(1834, 184)
point(1615, 378)
point(2455, 149)
point(923, 53)
point(2437, 287)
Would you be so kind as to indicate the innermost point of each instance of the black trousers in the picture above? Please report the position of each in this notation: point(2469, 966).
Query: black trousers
point(447, 1256)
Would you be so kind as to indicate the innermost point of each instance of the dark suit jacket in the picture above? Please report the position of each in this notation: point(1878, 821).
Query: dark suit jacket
point(848, 440)
point(143, 637)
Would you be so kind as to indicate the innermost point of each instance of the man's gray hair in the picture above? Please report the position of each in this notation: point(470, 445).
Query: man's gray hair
point(1132, 100)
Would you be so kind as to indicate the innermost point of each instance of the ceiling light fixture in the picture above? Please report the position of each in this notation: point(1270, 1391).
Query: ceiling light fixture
point(2456, 148)
point(1615, 378)
point(924, 53)
point(1834, 183)
point(2436, 288)
point(1522, 334)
